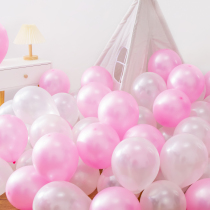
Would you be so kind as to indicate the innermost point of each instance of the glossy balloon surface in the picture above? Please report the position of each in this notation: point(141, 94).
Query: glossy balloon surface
point(4, 43)
point(167, 132)
point(207, 82)
point(25, 159)
point(6, 108)
point(146, 117)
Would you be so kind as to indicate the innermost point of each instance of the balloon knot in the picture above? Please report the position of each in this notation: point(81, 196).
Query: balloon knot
point(14, 162)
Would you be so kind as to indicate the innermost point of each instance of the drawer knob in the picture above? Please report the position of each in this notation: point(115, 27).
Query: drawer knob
point(26, 76)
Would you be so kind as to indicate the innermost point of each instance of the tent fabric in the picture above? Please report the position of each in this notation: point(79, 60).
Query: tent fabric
point(142, 32)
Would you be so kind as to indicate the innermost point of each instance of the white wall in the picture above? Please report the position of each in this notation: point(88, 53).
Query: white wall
point(77, 30)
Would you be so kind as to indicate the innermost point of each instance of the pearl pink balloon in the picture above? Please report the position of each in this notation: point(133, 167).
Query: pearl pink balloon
point(163, 195)
point(4, 43)
point(197, 127)
point(206, 174)
point(183, 159)
point(207, 82)
point(81, 125)
point(67, 107)
point(89, 97)
point(32, 102)
point(55, 157)
point(207, 99)
point(201, 109)
point(97, 74)
point(46, 124)
point(202, 96)
point(22, 187)
point(188, 79)
point(5, 172)
point(146, 117)
point(163, 62)
point(107, 179)
point(13, 137)
point(25, 159)
point(85, 177)
point(61, 196)
point(114, 198)
point(171, 107)
point(146, 88)
point(96, 144)
point(6, 108)
point(55, 81)
point(167, 132)
point(119, 110)
point(135, 163)
point(197, 196)
point(148, 132)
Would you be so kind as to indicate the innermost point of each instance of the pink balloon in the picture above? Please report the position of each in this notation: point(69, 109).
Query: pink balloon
point(96, 144)
point(146, 117)
point(61, 196)
point(135, 163)
point(171, 107)
point(202, 96)
point(183, 159)
point(22, 187)
point(207, 82)
point(89, 97)
point(55, 81)
point(25, 159)
point(148, 132)
point(114, 198)
point(201, 109)
point(163, 62)
point(198, 194)
point(163, 195)
point(4, 43)
point(85, 177)
point(167, 132)
point(13, 137)
point(188, 79)
point(97, 74)
point(207, 99)
point(119, 110)
point(55, 157)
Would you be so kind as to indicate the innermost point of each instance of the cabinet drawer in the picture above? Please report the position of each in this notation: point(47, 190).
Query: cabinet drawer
point(24, 76)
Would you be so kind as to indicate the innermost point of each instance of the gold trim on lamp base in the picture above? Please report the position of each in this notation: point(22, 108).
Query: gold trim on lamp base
point(28, 57)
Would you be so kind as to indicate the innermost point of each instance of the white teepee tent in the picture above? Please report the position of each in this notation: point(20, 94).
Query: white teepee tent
point(142, 31)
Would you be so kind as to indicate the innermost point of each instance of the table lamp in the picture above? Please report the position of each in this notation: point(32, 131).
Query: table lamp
point(29, 34)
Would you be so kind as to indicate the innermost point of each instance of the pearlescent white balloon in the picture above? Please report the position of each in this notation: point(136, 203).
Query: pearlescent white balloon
point(85, 177)
point(67, 107)
point(146, 88)
point(61, 195)
point(146, 117)
point(25, 159)
point(183, 159)
point(6, 108)
point(31, 102)
point(107, 179)
point(5, 172)
point(163, 195)
point(82, 124)
point(48, 124)
point(167, 132)
point(206, 174)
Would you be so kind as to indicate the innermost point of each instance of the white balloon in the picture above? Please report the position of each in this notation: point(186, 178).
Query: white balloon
point(146, 117)
point(6, 108)
point(25, 159)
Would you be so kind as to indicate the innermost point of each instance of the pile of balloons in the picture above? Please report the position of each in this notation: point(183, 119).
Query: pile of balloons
point(148, 150)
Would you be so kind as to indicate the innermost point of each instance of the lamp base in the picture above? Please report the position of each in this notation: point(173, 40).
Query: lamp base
point(28, 57)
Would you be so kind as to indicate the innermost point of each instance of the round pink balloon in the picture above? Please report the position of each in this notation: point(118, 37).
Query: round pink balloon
point(148, 132)
point(55, 157)
point(197, 196)
point(96, 144)
point(163, 195)
point(119, 110)
point(22, 187)
point(55, 81)
point(13, 137)
point(188, 79)
point(183, 159)
point(97, 74)
point(89, 97)
point(201, 109)
point(167, 132)
point(146, 117)
point(4, 43)
point(171, 107)
point(207, 82)
point(135, 163)
point(114, 198)
point(61, 196)
point(163, 62)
